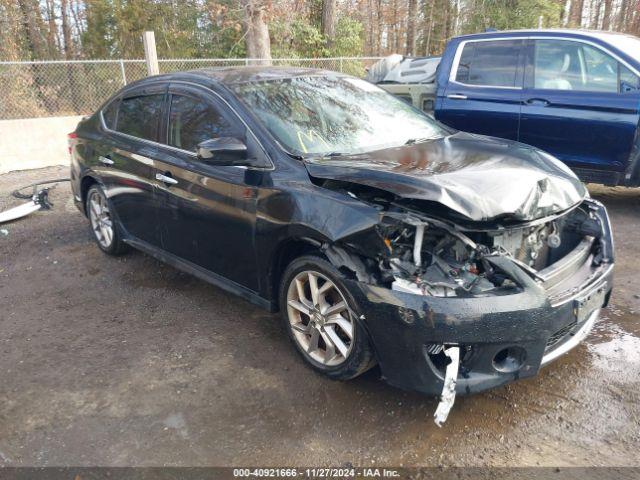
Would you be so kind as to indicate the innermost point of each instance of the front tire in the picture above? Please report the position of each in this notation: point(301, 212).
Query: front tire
point(103, 226)
point(321, 318)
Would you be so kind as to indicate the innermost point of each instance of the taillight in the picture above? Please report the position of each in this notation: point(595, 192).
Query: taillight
point(70, 137)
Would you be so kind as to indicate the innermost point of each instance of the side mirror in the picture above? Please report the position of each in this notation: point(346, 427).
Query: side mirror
point(223, 151)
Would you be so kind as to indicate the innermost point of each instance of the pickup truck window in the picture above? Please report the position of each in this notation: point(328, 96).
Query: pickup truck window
point(569, 65)
point(489, 64)
point(629, 81)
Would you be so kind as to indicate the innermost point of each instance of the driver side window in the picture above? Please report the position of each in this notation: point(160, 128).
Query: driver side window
point(193, 120)
point(569, 65)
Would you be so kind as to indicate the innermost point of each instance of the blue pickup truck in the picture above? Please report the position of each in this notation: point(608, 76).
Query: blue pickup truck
point(572, 93)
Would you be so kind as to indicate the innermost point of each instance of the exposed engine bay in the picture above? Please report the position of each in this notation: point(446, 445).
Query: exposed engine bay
point(423, 254)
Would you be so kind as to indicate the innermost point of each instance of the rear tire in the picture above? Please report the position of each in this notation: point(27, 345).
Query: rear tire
point(322, 320)
point(103, 226)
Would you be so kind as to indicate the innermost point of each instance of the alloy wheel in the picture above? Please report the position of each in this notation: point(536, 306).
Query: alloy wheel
point(100, 218)
point(320, 318)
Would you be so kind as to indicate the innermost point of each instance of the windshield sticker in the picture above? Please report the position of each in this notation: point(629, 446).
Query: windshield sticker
point(311, 137)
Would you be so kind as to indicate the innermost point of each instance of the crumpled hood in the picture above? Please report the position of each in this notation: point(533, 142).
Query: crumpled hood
point(482, 178)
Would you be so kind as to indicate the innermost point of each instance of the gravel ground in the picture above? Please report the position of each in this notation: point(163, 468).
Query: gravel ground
point(125, 361)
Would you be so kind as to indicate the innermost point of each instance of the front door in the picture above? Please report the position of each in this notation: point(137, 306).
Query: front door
point(484, 90)
point(579, 104)
point(208, 214)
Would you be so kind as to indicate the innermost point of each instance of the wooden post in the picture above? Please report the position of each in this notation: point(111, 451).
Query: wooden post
point(150, 55)
point(123, 72)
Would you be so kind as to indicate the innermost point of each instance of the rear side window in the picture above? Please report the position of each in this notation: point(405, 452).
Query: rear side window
point(193, 120)
point(140, 116)
point(489, 64)
point(109, 115)
point(629, 81)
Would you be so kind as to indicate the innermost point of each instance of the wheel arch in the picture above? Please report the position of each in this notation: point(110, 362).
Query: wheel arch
point(85, 184)
point(286, 252)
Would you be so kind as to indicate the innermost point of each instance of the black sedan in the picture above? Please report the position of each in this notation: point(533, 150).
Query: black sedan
point(456, 262)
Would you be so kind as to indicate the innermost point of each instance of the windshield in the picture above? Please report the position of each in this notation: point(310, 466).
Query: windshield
point(316, 116)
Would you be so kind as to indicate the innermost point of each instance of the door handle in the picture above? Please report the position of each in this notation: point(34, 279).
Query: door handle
point(105, 160)
point(539, 102)
point(166, 179)
point(457, 96)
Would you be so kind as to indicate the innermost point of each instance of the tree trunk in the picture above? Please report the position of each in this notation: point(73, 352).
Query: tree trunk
point(380, 29)
point(446, 31)
point(395, 43)
point(594, 12)
point(371, 42)
point(66, 30)
point(622, 15)
point(52, 33)
point(412, 13)
point(329, 21)
point(563, 7)
point(575, 13)
point(634, 23)
point(32, 26)
point(430, 30)
point(257, 32)
point(76, 19)
point(606, 20)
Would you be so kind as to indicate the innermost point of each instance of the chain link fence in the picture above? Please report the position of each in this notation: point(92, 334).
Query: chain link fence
point(59, 88)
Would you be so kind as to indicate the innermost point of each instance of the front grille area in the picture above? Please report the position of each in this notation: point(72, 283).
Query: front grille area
point(560, 334)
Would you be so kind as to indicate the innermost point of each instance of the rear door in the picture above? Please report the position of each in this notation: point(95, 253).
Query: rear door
point(580, 104)
point(208, 212)
point(484, 90)
point(124, 159)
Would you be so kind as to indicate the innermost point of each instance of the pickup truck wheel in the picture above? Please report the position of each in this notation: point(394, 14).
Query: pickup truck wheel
point(104, 228)
point(322, 321)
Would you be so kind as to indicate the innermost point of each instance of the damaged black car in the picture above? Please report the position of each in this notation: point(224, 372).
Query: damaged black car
point(456, 262)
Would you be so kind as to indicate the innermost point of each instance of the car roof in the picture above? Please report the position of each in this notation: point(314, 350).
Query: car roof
point(598, 34)
point(242, 74)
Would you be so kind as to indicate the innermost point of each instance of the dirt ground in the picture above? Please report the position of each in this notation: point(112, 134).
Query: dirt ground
point(125, 361)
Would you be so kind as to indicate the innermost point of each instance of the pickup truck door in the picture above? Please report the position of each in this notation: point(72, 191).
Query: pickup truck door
point(581, 105)
point(484, 90)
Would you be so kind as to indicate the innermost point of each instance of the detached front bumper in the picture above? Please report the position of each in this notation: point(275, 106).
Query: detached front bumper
point(502, 338)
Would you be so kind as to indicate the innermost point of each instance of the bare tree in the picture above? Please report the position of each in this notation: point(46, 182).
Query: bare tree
point(53, 39)
point(606, 19)
point(575, 13)
point(412, 13)
point(329, 20)
point(430, 29)
point(395, 27)
point(33, 26)
point(634, 21)
point(622, 15)
point(257, 31)
point(380, 23)
point(66, 29)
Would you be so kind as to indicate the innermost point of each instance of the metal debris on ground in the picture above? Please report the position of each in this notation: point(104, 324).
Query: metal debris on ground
point(39, 200)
